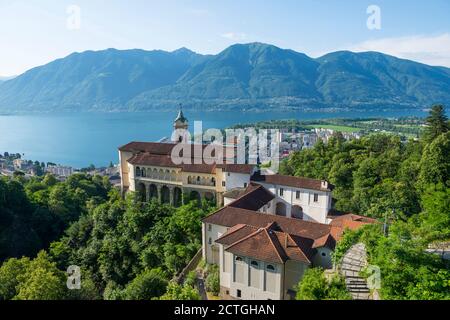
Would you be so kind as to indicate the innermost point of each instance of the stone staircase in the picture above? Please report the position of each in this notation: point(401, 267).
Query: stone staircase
point(354, 261)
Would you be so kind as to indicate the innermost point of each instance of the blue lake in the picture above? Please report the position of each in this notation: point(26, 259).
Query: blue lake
point(82, 139)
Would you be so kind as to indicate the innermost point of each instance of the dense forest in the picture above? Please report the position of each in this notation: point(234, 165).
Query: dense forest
point(127, 249)
point(406, 186)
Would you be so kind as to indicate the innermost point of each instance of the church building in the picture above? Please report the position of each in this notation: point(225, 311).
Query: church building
point(270, 228)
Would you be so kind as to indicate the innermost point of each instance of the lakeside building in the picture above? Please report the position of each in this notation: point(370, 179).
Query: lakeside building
point(60, 171)
point(20, 164)
point(291, 141)
point(270, 228)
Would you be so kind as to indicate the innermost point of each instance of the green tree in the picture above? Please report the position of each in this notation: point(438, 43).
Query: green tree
point(49, 180)
point(180, 292)
point(434, 220)
point(113, 291)
point(89, 289)
point(435, 164)
point(41, 284)
point(41, 280)
point(212, 280)
point(9, 276)
point(315, 286)
point(337, 290)
point(436, 123)
point(147, 285)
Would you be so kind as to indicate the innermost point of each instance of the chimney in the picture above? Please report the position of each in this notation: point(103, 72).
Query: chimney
point(324, 184)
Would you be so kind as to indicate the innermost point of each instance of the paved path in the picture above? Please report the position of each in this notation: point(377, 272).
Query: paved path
point(355, 260)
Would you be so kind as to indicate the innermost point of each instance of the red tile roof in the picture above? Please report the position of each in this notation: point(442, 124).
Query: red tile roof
point(230, 216)
point(350, 221)
point(236, 233)
point(235, 193)
point(254, 198)
point(279, 240)
point(284, 238)
point(148, 159)
point(237, 168)
point(159, 154)
point(150, 147)
point(326, 241)
point(296, 182)
point(266, 244)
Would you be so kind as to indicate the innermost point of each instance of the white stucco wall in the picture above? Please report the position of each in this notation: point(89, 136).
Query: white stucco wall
point(227, 201)
point(323, 258)
point(315, 211)
point(269, 208)
point(255, 293)
point(235, 180)
point(124, 169)
point(213, 232)
point(225, 267)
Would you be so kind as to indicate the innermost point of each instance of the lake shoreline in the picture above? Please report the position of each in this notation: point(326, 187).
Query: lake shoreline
point(81, 139)
point(247, 111)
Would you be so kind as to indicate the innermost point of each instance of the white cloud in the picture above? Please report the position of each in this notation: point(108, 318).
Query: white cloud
point(235, 36)
point(432, 50)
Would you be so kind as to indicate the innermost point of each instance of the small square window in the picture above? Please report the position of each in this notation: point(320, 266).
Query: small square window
point(281, 192)
point(316, 197)
point(297, 195)
point(223, 183)
point(245, 184)
point(238, 293)
point(210, 241)
point(209, 227)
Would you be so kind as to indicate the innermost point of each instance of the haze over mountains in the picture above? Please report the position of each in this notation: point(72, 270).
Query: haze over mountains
point(243, 76)
point(6, 78)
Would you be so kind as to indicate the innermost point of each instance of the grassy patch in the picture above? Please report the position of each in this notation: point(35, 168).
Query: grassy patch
point(211, 296)
point(334, 127)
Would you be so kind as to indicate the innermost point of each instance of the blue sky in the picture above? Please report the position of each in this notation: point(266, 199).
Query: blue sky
point(34, 32)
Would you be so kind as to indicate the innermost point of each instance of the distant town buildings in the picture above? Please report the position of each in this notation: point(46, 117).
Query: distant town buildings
point(60, 171)
point(20, 164)
point(291, 141)
point(10, 163)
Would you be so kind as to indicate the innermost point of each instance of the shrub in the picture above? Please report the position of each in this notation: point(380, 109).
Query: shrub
point(315, 286)
point(190, 278)
point(348, 239)
point(149, 284)
point(312, 286)
point(212, 280)
point(178, 292)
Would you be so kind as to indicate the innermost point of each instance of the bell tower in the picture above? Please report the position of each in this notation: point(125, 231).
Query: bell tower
point(180, 127)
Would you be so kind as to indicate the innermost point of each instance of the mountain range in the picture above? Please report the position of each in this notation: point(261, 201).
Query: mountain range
point(251, 76)
point(6, 78)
